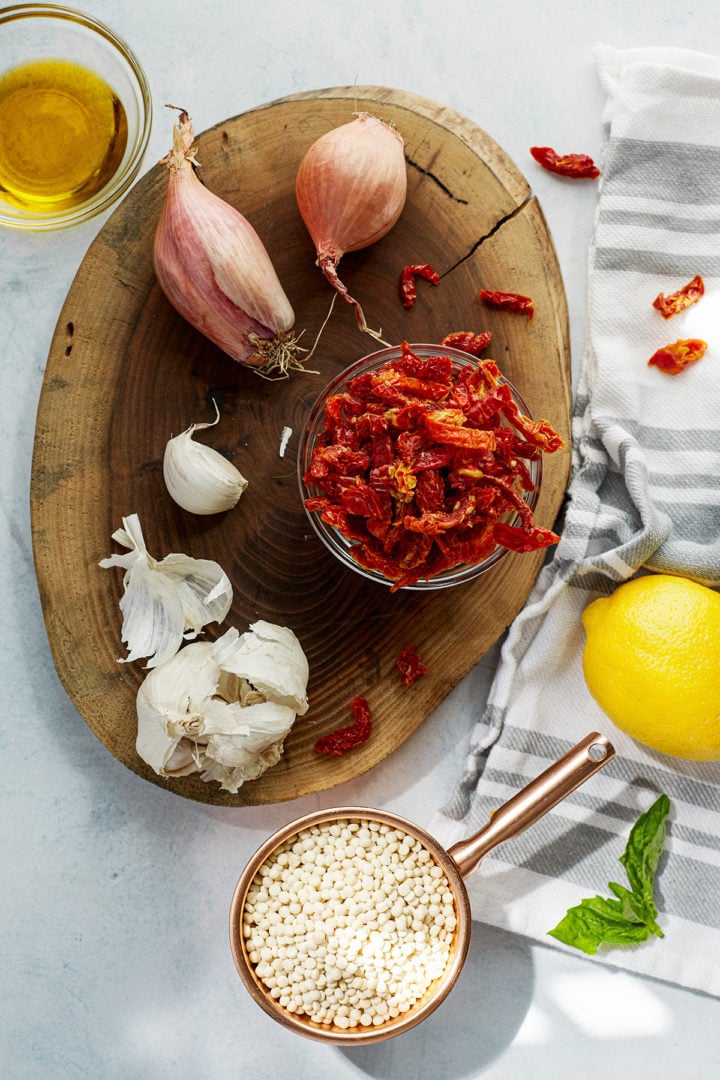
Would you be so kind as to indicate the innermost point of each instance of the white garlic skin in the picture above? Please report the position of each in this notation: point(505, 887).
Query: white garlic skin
point(198, 478)
point(165, 601)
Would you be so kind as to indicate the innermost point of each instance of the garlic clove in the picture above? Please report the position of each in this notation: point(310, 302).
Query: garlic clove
point(170, 705)
point(197, 477)
point(271, 659)
point(232, 727)
point(183, 760)
point(243, 741)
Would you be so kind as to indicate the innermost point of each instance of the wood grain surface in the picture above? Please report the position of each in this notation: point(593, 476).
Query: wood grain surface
point(125, 372)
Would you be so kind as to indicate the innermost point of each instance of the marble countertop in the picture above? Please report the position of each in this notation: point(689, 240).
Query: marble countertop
point(115, 893)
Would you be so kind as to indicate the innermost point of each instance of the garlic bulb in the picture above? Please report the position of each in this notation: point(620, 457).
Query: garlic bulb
point(165, 602)
point(223, 709)
point(197, 477)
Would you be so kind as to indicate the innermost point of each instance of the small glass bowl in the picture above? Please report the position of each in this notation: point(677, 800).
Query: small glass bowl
point(31, 32)
point(331, 537)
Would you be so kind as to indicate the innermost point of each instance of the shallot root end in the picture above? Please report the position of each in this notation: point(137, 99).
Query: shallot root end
point(276, 358)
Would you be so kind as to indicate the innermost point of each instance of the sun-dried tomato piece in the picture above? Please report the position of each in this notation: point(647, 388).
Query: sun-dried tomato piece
point(408, 290)
point(412, 550)
point(526, 538)
point(678, 301)
point(339, 459)
point(429, 491)
point(484, 408)
point(672, 359)
point(433, 522)
point(577, 166)
point(351, 526)
point(434, 457)
point(410, 665)
point(376, 558)
point(539, 433)
point(362, 500)
point(468, 342)
point(469, 547)
point(508, 301)
point(381, 449)
point(345, 738)
point(446, 432)
point(317, 502)
point(487, 374)
point(435, 368)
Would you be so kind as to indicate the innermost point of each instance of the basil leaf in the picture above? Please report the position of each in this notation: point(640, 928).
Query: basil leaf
point(636, 908)
point(633, 907)
point(630, 917)
point(643, 851)
point(595, 922)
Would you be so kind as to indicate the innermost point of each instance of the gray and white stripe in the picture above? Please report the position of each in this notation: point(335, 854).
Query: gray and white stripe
point(644, 496)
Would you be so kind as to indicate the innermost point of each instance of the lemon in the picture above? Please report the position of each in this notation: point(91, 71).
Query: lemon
point(652, 663)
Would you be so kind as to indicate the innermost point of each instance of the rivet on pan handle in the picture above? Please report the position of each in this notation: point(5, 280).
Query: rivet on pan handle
point(532, 802)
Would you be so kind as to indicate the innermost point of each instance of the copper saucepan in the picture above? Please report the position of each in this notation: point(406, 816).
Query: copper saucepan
point(509, 820)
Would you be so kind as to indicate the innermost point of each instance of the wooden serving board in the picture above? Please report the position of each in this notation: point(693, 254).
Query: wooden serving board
point(125, 372)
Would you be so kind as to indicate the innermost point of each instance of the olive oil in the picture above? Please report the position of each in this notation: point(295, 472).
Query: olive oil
point(63, 133)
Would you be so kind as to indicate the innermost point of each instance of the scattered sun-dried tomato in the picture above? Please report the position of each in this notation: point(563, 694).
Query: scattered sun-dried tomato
point(672, 359)
point(345, 738)
point(509, 301)
point(410, 665)
point(678, 301)
point(421, 460)
point(468, 342)
point(577, 166)
point(408, 290)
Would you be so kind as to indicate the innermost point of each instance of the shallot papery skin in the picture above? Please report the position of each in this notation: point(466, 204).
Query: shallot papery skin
point(351, 188)
point(213, 267)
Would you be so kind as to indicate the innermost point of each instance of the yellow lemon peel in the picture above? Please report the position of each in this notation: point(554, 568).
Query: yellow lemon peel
point(652, 662)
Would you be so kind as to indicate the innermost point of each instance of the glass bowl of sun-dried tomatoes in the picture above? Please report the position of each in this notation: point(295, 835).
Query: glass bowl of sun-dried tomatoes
point(420, 467)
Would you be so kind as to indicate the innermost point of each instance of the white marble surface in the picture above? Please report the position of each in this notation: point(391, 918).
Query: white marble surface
point(115, 894)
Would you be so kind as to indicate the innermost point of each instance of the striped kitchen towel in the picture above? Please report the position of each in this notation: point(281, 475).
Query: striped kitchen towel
point(644, 496)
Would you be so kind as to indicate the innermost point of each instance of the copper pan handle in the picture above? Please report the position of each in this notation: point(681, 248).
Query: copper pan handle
point(533, 801)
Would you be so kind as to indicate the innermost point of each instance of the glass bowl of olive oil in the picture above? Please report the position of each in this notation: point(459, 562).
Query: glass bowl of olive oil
point(75, 117)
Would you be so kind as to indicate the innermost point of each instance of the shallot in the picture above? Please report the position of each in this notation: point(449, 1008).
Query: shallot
point(351, 188)
point(215, 270)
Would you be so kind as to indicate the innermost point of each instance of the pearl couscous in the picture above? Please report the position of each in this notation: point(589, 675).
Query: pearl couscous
point(349, 923)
